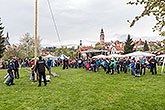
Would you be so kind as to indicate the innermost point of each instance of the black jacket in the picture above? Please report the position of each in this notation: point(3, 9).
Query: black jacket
point(16, 64)
point(40, 67)
point(153, 62)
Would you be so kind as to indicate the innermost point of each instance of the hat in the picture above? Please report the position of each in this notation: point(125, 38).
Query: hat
point(14, 58)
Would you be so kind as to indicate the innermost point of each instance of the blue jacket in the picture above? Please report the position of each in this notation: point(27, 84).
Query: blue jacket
point(105, 64)
point(98, 63)
point(11, 66)
point(49, 63)
point(133, 65)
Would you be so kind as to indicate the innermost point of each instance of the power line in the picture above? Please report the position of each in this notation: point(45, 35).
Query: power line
point(54, 22)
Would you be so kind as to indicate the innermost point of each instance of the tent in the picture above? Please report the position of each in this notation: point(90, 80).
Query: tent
point(115, 55)
point(92, 51)
point(63, 57)
point(163, 56)
point(50, 56)
point(139, 54)
point(100, 56)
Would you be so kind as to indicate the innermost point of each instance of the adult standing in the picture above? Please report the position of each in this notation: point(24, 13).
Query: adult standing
point(153, 62)
point(137, 68)
point(16, 72)
point(64, 63)
point(49, 64)
point(10, 70)
point(125, 66)
point(112, 67)
point(118, 66)
point(98, 65)
point(143, 66)
point(40, 67)
point(121, 64)
point(133, 67)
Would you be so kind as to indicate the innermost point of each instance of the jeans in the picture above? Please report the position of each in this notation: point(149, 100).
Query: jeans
point(132, 71)
point(11, 77)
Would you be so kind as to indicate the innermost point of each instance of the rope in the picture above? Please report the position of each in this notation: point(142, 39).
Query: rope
point(54, 22)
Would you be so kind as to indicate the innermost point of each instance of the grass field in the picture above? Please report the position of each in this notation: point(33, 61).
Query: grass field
point(77, 89)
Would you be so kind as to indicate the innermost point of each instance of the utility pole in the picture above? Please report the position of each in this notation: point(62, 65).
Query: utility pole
point(36, 6)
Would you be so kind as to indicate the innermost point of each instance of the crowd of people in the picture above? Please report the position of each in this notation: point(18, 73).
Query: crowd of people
point(112, 65)
point(108, 65)
point(22, 63)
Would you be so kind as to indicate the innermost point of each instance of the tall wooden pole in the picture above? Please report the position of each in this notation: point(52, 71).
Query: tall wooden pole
point(36, 31)
point(35, 75)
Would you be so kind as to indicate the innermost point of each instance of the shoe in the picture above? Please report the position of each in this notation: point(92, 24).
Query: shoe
point(13, 84)
point(45, 84)
point(7, 84)
point(38, 86)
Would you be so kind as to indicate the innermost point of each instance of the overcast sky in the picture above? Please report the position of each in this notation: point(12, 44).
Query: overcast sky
point(76, 19)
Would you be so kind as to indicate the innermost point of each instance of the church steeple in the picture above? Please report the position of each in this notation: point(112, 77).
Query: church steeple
point(102, 36)
point(7, 40)
point(7, 36)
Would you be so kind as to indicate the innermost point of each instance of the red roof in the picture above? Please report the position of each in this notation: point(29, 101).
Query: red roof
point(119, 48)
point(85, 48)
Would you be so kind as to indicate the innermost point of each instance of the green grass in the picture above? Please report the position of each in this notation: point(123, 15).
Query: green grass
point(77, 89)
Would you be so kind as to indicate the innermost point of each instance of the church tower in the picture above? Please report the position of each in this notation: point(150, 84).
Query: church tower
point(7, 40)
point(102, 36)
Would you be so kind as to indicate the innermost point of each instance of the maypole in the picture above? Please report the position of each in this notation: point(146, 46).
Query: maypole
point(36, 32)
point(35, 75)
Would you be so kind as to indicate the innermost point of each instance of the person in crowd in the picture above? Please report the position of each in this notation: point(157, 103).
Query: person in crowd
point(40, 68)
point(76, 63)
point(121, 64)
point(133, 67)
point(98, 65)
point(87, 65)
point(128, 64)
point(50, 64)
point(64, 63)
point(153, 63)
point(79, 63)
point(143, 66)
point(125, 66)
point(118, 66)
point(137, 68)
point(16, 72)
point(112, 67)
point(10, 70)
point(108, 66)
point(105, 65)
